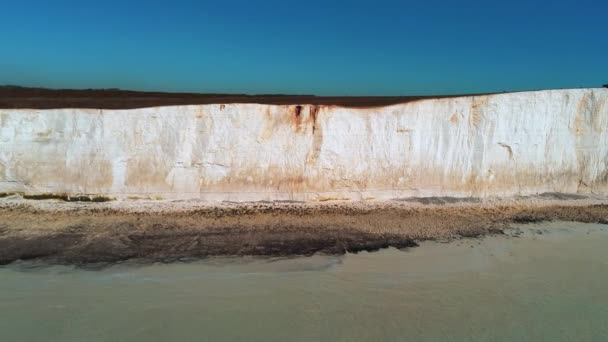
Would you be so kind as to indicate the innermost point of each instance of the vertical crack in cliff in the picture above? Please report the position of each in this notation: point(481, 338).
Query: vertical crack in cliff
point(478, 145)
point(317, 136)
point(297, 119)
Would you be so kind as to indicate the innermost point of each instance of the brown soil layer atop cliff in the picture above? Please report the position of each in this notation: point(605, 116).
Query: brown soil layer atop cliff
point(40, 98)
point(83, 233)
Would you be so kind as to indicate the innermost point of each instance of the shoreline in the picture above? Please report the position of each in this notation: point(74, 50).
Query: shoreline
point(83, 233)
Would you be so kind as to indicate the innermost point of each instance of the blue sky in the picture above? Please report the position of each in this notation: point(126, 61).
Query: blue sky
point(305, 47)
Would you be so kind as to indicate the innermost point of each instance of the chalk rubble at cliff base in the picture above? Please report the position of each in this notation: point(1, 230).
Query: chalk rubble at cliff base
point(85, 233)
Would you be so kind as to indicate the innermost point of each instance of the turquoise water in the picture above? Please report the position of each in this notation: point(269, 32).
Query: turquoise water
point(548, 284)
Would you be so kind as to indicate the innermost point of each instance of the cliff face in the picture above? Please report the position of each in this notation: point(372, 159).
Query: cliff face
point(490, 145)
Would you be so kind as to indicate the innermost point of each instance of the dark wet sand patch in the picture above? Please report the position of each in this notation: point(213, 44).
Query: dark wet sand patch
point(438, 200)
point(562, 196)
point(166, 246)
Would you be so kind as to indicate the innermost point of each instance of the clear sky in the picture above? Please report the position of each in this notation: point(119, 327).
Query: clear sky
point(305, 47)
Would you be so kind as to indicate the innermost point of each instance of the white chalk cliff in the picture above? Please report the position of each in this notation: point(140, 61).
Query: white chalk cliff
point(491, 145)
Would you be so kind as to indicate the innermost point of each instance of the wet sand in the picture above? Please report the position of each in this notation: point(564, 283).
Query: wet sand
point(536, 282)
point(85, 233)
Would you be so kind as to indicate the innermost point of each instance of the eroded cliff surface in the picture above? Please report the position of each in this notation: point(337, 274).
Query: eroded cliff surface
point(489, 145)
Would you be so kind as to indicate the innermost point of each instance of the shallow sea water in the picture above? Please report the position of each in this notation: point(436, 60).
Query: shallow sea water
point(548, 284)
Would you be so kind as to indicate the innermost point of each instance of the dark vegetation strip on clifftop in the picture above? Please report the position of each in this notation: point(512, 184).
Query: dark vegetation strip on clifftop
point(15, 97)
